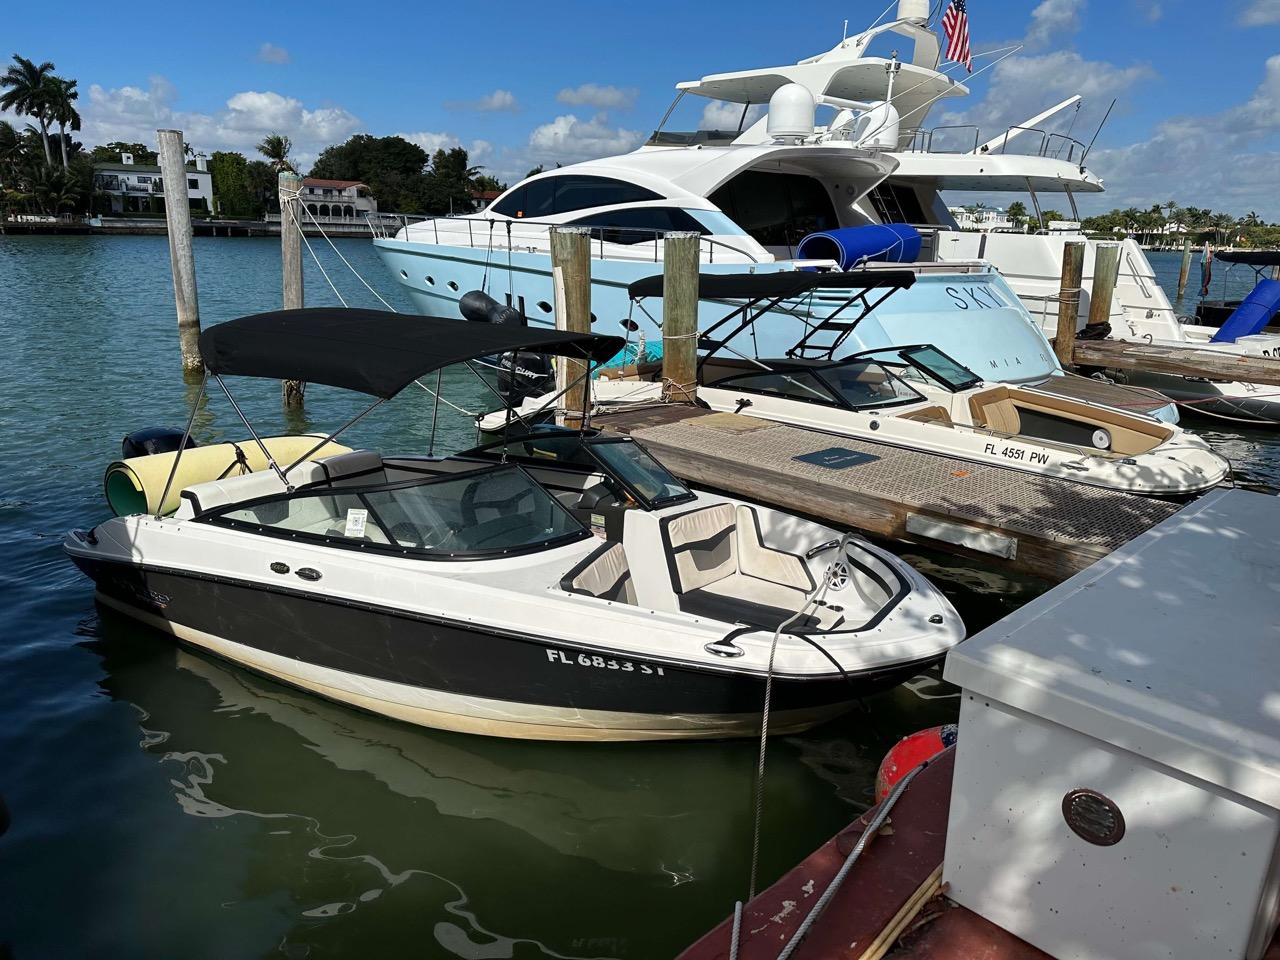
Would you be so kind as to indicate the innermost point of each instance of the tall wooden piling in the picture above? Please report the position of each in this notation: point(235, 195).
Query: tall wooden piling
point(1185, 272)
point(177, 215)
point(1106, 271)
point(1069, 300)
point(571, 279)
point(289, 186)
point(680, 317)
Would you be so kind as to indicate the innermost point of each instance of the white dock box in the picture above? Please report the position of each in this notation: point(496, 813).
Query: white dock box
point(1117, 778)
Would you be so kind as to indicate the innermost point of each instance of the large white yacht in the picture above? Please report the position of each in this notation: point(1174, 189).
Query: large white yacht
point(754, 193)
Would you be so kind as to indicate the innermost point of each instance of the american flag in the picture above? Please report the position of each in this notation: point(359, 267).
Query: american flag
point(955, 24)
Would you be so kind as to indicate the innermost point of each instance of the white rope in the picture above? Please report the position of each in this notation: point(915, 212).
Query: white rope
point(297, 196)
point(293, 215)
point(447, 403)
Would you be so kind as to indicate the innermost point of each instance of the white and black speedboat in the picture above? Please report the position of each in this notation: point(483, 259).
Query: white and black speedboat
point(560, 585)
point(912, 395)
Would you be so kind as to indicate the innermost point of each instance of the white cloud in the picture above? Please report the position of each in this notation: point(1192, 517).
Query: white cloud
point(723, 115)
point(431, 141)
point(1051, 18)
point(134, 114)
point(1260, 13)
point(500, 101)
point(270, 53)
point(1207, 161)
point(600, 97)
point(567, 139)
point(1153, 10)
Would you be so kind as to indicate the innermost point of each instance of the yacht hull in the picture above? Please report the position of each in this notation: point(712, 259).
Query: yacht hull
point(462, 676)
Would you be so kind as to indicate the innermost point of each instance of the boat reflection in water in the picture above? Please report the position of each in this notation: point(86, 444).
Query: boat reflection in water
point(339, 828)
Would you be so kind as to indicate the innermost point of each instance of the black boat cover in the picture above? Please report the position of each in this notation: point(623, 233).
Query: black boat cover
point(374, 351)
point(1255, 258)
point(778, 283)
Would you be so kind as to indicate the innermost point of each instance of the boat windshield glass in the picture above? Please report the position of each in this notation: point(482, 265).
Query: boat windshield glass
point(952, 374)
point(854, 384)
point(640, 472)
point(493, 511)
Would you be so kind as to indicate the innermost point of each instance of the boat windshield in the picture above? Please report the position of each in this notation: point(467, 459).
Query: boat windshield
point(928, 362)
point(494, 511)
point(628, 464)
point(854, 384)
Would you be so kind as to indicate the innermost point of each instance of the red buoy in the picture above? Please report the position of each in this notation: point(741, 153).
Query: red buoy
point(909, 752)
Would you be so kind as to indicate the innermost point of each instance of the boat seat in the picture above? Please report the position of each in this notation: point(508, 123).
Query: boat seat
point(934, 414)
point(203, 497)
point(359, 468)
point(604, 574)
point(720, 568)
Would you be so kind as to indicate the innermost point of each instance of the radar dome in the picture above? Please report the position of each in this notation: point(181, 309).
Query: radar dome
point(913, 9)
point(791, 110)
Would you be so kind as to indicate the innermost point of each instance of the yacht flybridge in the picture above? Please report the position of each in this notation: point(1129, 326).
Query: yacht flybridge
point(562, 585)
point(911, 395)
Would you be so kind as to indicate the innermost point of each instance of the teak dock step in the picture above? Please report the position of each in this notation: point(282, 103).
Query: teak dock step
point(1049, 528)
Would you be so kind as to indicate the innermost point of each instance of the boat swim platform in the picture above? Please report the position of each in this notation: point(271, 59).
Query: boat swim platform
point(1043, 526)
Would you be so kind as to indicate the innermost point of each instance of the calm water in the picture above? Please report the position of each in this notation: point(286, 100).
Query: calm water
point(165, 804)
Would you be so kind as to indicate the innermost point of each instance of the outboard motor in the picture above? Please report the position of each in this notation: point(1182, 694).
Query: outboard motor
point(478, 307)
point(149, 440)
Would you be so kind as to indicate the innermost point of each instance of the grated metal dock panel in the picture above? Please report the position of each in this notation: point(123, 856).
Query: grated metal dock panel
point(1061, 526)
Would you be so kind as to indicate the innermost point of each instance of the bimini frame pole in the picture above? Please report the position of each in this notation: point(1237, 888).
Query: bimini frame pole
point(342, 429)
point(186, 435)
point(256, 439)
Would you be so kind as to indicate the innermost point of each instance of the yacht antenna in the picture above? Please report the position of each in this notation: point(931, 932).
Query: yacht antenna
point(1105, 116)
point(845, 33)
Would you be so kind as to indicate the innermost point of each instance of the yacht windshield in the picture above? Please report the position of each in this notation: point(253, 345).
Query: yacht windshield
point(494, 511)
point(640, 472)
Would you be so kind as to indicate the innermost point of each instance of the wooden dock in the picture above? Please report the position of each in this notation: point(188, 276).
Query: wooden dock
point(1046, 527)
point(1177, 361)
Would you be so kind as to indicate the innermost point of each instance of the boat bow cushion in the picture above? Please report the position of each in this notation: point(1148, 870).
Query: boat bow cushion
point(757, 560)
point(359, 468)
point(702, 546)
point(604, 574)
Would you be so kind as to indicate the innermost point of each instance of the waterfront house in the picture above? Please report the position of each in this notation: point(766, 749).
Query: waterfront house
point(338, 199)
point(138, 188)
point(985, 219)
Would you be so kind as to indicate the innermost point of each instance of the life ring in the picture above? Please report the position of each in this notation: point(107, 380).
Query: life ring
point(911, 751)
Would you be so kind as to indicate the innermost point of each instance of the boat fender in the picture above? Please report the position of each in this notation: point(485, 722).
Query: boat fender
point(852, 246)
point(149, 440)
point(911, 751)
point(478, 307)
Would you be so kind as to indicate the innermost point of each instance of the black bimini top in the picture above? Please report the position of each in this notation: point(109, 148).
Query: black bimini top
point(374, 351)
point(778, 284)
point(1255, 258)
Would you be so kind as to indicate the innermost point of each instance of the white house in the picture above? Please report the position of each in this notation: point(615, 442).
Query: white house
point(138, 187)
point(338, 199)
point(985, 219)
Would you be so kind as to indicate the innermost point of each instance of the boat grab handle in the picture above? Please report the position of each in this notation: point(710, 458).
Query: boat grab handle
point(821, 548)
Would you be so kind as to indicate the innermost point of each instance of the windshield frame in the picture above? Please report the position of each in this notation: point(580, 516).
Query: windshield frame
point(648, 502)
point(816, 372)
point(218, 517)
point(907, 357)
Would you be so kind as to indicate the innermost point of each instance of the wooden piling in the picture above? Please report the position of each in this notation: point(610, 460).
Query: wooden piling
point(1106, 271)
point(177, 214)
point(1069, 300)
point(571, 280)
point(680, 317)
point(1185, 272)
point(289, 186)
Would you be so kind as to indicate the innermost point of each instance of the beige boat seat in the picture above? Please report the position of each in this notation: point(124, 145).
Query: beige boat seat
point(721, 569)
point(604, 574)
point(935, 414)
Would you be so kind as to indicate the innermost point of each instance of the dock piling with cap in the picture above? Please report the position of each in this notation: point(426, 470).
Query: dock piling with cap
point(1069, 299)
point(571, 279)
point(289, 185)
point(1106, 271)
point(680, 316)
point(177, 214)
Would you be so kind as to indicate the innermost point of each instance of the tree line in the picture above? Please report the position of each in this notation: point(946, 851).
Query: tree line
point(46, 171)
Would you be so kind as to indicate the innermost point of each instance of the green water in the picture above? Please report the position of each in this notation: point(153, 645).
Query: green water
point(164, 804)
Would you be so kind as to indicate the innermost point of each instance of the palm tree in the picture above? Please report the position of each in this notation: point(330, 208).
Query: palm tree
point(27, 92)
point(62, 110)
point(1223, 225)
point(275, 147)
point(10, 151)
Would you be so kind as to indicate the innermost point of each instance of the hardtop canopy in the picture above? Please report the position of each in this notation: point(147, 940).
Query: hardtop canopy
point(374, 351)
point(1255, 258)
point(782, 283)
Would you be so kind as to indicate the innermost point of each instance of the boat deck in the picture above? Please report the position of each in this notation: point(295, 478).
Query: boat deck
point(1123, 397)
point(1046, 527)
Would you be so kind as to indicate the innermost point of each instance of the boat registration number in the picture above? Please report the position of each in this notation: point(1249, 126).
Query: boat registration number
point(598, 662)
point(1016, 453)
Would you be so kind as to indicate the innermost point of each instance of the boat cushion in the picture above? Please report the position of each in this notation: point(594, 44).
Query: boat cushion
point(359, 468)
point(757, 560)
point(604, 574)
point(702, 546)
point(728, 608)
point(249, 486)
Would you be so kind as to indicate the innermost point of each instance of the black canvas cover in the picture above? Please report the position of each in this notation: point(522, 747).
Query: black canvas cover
point(374, 351)
point(779, 283)
point(1255, 258)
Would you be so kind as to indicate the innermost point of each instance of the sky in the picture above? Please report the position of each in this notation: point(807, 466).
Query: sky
point(1197, 118)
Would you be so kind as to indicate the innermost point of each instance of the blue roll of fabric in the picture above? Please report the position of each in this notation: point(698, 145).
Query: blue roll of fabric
point(1254, 313)
point(850, 246)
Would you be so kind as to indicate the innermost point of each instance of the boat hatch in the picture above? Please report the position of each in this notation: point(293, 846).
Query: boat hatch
point(928, 362)
point(493, 511)
point(624, 461)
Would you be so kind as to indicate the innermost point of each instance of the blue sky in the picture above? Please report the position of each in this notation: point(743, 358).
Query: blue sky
point(1198, 118)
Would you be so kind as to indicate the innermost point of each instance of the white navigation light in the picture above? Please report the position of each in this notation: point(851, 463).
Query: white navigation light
point(913, 9)
point(791, 111)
